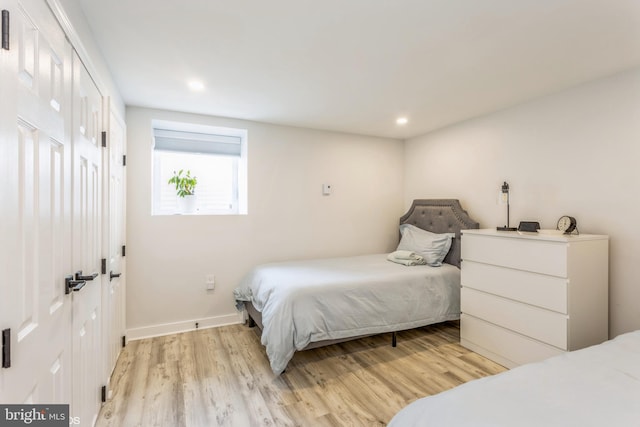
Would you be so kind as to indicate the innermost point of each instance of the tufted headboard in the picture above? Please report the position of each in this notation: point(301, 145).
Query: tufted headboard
point(441, 216)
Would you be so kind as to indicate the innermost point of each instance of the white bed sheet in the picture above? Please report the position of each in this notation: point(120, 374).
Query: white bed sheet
point(597, 386)
point(315, 300)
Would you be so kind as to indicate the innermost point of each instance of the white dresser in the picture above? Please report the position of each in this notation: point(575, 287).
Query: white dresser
point(529, 296)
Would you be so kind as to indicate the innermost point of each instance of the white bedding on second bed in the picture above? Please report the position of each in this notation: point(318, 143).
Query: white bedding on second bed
point(597, 386)
point(309, 301)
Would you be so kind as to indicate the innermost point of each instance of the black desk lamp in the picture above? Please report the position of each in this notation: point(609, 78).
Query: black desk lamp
point(505, 194)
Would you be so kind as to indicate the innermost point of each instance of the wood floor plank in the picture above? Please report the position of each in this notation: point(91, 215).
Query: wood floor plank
point(221, 377)
point(130, 392)
point(192, 392)
point(220, 382)
point(248, 386)
point(341, 391)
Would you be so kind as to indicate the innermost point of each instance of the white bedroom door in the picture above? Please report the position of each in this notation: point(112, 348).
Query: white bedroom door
point(87, 232)
point(114, 302)
point(35, 155)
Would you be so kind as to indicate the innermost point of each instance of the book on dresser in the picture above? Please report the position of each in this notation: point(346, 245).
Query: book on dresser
point(528, 296)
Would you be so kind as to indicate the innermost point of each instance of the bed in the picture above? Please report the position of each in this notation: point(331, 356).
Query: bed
point(300, 305)
point(596, 386)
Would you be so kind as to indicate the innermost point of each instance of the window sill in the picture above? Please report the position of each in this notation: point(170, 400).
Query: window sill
point(200, 214)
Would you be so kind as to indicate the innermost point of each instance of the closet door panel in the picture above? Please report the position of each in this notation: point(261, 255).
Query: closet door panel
point(114, 289)
point(87, 232)
point(35, 206)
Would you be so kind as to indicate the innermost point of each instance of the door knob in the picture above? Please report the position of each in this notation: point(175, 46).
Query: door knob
point(112, 275)
point(73, 285)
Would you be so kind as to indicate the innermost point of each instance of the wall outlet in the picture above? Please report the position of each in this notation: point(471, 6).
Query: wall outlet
point(210, 281)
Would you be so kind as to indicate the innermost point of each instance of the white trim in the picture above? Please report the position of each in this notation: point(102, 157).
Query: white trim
point(184, 326)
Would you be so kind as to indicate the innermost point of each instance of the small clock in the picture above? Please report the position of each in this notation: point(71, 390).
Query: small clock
point(567, 224)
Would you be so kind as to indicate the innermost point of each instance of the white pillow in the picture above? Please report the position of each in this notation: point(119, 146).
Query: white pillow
point(433, 247)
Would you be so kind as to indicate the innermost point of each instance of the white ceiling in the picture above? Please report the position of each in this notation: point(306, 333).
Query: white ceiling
point(356, 65)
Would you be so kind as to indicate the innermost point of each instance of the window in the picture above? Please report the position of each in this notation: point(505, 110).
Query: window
point(215, 156)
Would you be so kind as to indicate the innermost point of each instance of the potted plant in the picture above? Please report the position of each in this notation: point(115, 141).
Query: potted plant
point(185, 190)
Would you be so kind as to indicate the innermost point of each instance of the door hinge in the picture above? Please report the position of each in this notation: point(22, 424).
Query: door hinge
point(5, 29)
point(124, 250)
point(103, 266)
point(124, 340)
point(103, 393)
point(124, 160)
point(104, 138)
point(6, 348)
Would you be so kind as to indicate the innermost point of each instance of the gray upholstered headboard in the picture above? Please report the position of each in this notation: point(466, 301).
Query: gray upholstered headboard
point(441, 216)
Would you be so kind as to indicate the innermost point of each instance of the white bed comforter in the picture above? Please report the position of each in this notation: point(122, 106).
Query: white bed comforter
point(308, 301)
point(597, 386)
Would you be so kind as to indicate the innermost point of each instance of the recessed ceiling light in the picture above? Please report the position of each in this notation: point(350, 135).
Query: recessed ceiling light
point(402, 121)
point(196, 85)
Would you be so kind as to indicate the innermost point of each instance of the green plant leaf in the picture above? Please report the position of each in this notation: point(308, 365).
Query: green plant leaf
point(185, 185)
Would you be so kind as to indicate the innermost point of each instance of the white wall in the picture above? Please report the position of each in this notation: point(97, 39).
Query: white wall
point(575, 153)
point(289, 218)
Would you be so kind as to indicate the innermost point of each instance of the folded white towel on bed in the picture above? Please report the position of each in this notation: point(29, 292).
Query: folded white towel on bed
point(407, 258)
point(400, 254)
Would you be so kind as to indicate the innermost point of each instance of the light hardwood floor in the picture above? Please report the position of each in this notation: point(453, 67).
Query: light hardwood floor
point(221, 376)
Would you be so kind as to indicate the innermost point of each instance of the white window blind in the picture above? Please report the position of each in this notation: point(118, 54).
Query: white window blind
point(214, 159)
point(195, 142)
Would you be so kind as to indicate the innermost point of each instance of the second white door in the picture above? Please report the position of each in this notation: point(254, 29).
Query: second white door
point(87, 232)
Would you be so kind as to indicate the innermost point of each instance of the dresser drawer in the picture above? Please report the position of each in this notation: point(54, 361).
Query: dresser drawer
point(511, 349)
point(543, 325)
point(541, 290)
point(539, 256)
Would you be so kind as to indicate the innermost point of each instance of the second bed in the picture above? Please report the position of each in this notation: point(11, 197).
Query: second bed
point(301, 303)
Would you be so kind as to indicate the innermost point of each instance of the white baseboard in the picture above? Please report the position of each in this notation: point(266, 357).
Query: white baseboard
point(184, 326)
